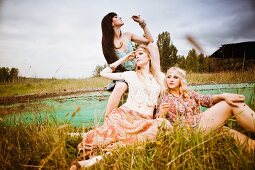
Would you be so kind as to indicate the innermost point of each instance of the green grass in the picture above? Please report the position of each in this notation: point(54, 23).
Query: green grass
point(30, 86)
point(181, 149)
point(47, 144)
point(37, 86)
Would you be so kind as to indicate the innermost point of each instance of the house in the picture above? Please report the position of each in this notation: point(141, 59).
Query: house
point(238, 56)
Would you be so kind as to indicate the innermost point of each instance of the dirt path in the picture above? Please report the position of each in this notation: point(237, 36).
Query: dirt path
point(31, 97)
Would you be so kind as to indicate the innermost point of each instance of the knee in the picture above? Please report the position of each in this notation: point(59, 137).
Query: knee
point(120, 87)
point(235, 104)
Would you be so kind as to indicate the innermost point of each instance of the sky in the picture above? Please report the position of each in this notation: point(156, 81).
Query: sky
point(62, 38)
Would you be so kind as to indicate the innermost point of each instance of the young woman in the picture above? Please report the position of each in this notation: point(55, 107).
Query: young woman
point(182, 106)
point(133, 121)
point(117, 44)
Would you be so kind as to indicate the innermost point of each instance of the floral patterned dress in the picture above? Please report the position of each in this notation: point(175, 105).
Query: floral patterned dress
point(185, 111)
point(129, 123)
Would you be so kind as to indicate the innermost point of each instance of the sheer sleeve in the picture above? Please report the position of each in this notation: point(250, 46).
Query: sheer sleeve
point(202, 99)
point(128, 75)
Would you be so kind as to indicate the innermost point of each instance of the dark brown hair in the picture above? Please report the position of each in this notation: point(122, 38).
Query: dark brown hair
point(107, 40)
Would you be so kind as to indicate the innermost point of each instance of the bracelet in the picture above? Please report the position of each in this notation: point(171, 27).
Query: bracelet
point(142, 24)
point(112, 67)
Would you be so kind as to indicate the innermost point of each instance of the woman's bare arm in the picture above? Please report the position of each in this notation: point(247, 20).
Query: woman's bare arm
point(108, 71)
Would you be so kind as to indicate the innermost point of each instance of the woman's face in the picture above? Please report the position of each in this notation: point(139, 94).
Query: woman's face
point(117, 21)
point(141, 58)
point(173, 82)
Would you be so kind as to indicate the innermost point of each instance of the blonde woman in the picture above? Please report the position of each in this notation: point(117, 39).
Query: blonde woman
point(133, 121)
point(182, 106)
point(117, 44)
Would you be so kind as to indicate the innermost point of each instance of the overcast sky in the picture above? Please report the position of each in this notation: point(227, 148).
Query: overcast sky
point(62, 38)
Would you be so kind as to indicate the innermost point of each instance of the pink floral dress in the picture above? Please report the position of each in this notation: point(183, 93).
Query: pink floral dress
point(128, 123)
point(185, 111)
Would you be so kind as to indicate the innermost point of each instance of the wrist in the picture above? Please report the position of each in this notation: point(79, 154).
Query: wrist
point(223, 96)
point(142, 24)
point(112, 67)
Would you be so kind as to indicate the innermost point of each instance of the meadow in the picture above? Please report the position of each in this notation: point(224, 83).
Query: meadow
point(37, 86)
point(49, 145)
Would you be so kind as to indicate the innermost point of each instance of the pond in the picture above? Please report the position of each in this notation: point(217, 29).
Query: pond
point(88, 109)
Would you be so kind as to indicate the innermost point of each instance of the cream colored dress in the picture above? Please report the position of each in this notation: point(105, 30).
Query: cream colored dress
point(132, 122)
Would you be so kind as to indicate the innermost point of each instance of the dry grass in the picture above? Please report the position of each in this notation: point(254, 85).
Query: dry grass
point(221, 77)
point(47, 145)
point(30, 86)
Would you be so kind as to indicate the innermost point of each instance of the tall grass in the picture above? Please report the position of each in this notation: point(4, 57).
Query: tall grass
point(44, 144)
point(48, 145)
point(181, 149)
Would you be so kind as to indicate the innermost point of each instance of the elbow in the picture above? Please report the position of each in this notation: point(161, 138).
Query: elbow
point(151, 40)
point(102, 74)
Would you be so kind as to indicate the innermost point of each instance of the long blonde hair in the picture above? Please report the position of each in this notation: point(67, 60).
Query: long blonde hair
point(156, 72)
point(181, 74)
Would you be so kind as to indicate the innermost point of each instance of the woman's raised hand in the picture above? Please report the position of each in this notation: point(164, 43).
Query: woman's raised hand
point(137, 18)
point(129, 56)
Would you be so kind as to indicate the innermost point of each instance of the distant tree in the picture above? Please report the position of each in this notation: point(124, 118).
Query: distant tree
point(181, 62)
point(173, 56)
point(14, 75)
point(4, 74)
point(98, 69)
point(206, 64)
point(167, 51)
point(192, 61)
point(202, 65)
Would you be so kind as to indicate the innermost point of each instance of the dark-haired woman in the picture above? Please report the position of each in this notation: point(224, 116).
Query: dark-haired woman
point(117, 44)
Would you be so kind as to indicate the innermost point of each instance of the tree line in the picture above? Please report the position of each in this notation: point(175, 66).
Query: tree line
point(193, 62)
point(9, 75)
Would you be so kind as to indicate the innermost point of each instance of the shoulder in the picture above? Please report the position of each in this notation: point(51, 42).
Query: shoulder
point(192, 93)
point(130, 76)
point(129, 73)
point(128, 35)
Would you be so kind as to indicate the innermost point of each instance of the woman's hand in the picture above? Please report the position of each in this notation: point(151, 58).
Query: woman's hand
point(130, 56)
point(232, 99)
point(165, 125)
point(163, 109)
point(138, 19)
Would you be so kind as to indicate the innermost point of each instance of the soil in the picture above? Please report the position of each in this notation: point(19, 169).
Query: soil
point(31, 97)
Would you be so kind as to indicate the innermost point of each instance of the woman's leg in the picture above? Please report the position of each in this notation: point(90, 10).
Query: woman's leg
point(217, 115)
point(241, 139)
point(115, 96)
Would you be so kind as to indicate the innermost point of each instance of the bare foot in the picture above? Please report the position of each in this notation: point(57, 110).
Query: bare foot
point(73, 167)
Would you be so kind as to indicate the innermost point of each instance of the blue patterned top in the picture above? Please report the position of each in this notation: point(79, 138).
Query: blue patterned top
point(129, 65)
